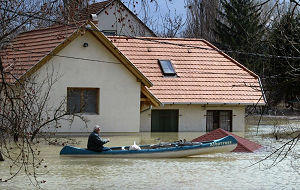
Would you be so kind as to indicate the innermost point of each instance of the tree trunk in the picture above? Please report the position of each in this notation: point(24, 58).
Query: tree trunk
point(16, 137)
point(1, 157)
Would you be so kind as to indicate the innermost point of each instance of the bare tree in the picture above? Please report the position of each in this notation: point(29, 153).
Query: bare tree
point(25, 111)
point(201, 16)
point(1, 157)
point(171, 25)
point(17, 16)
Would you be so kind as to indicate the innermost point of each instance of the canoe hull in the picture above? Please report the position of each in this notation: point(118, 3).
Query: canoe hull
point(225, 144)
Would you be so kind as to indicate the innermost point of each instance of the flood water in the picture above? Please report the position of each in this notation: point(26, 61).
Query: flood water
point(218, 171)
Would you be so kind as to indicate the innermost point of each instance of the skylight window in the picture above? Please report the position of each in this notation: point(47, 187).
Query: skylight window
point(167, 67)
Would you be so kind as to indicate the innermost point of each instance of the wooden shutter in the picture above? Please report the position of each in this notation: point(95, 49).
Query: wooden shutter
point(209, 121)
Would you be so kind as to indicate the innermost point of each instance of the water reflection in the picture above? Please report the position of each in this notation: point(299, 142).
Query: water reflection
point(218, 171)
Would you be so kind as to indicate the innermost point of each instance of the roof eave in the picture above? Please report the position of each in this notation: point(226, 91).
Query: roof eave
point(155, 101)
point(109, 3)
point(51, 54)
point(213, 103)
point(228, 57)
point(94, 29)
point(103, 39)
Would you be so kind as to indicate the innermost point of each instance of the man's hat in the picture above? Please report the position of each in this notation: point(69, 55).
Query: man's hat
point(97, 127)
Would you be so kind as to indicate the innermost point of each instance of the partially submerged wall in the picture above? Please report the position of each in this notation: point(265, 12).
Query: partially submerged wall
point(193, 117)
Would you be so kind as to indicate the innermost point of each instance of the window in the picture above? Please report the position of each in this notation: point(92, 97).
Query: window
point(109, 32)
point(219, 119)
point(83, 100)
point(164, 120)
point(167, 67)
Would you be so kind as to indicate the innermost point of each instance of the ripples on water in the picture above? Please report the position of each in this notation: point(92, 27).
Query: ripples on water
point(218, 171)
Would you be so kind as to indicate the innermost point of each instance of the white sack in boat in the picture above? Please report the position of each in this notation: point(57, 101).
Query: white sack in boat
point(134, 147)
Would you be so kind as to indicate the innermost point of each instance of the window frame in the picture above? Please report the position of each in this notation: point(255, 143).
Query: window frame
point(159, 115)
point(105, 32)
point(81, 100)
point(162, 69)
point(219, 119)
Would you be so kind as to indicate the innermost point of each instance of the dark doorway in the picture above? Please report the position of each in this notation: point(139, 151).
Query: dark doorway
point(219, 119)
point(164, 121)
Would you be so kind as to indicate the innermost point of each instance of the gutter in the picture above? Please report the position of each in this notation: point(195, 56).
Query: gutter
point(150, 108)
point(206, 103)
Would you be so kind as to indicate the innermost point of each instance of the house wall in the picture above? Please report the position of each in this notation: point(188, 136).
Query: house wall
point(119, 89)
point(192, 117)
point(114, 17)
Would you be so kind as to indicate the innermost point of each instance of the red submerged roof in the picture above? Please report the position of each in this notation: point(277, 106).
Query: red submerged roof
point(204, 74)
point(28, 48)
point(244, 145)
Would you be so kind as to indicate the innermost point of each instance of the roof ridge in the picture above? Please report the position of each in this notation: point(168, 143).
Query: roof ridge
point(106, 1)
point(54, 33)
point(157, 38)
point(55, 26)
point(241, 138)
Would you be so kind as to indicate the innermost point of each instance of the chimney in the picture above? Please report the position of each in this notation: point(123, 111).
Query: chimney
point(94, 19)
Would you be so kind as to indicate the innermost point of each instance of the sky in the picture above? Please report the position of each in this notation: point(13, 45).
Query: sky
point(157, 9)
point(163, 7)
point(173, 5)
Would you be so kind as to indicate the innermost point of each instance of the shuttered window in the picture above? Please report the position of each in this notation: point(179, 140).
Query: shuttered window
point(83, 100)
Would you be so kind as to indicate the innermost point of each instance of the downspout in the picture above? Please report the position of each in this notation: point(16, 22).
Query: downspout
point(262, 90)
point(149, 108)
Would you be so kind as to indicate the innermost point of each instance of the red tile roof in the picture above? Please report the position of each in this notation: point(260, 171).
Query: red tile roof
point(204, 74)
point(244, 145)
point(32, 49)
point(28, 48)
point(92, 9)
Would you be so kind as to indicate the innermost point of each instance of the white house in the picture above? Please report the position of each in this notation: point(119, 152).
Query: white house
point(114, 18)
point(137, 84)
point(200, 87)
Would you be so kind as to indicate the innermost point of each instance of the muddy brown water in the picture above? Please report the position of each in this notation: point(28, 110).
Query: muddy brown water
point(217, 171)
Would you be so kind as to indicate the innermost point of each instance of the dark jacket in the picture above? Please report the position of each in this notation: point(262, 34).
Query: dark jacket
point(95, 142)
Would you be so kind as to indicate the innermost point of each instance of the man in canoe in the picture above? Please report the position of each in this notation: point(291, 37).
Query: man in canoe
point(95, 142)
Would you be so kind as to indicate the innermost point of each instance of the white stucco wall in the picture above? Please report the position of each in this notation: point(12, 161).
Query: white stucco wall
point(114, 17)
point(119, 90)
point(192, 117)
